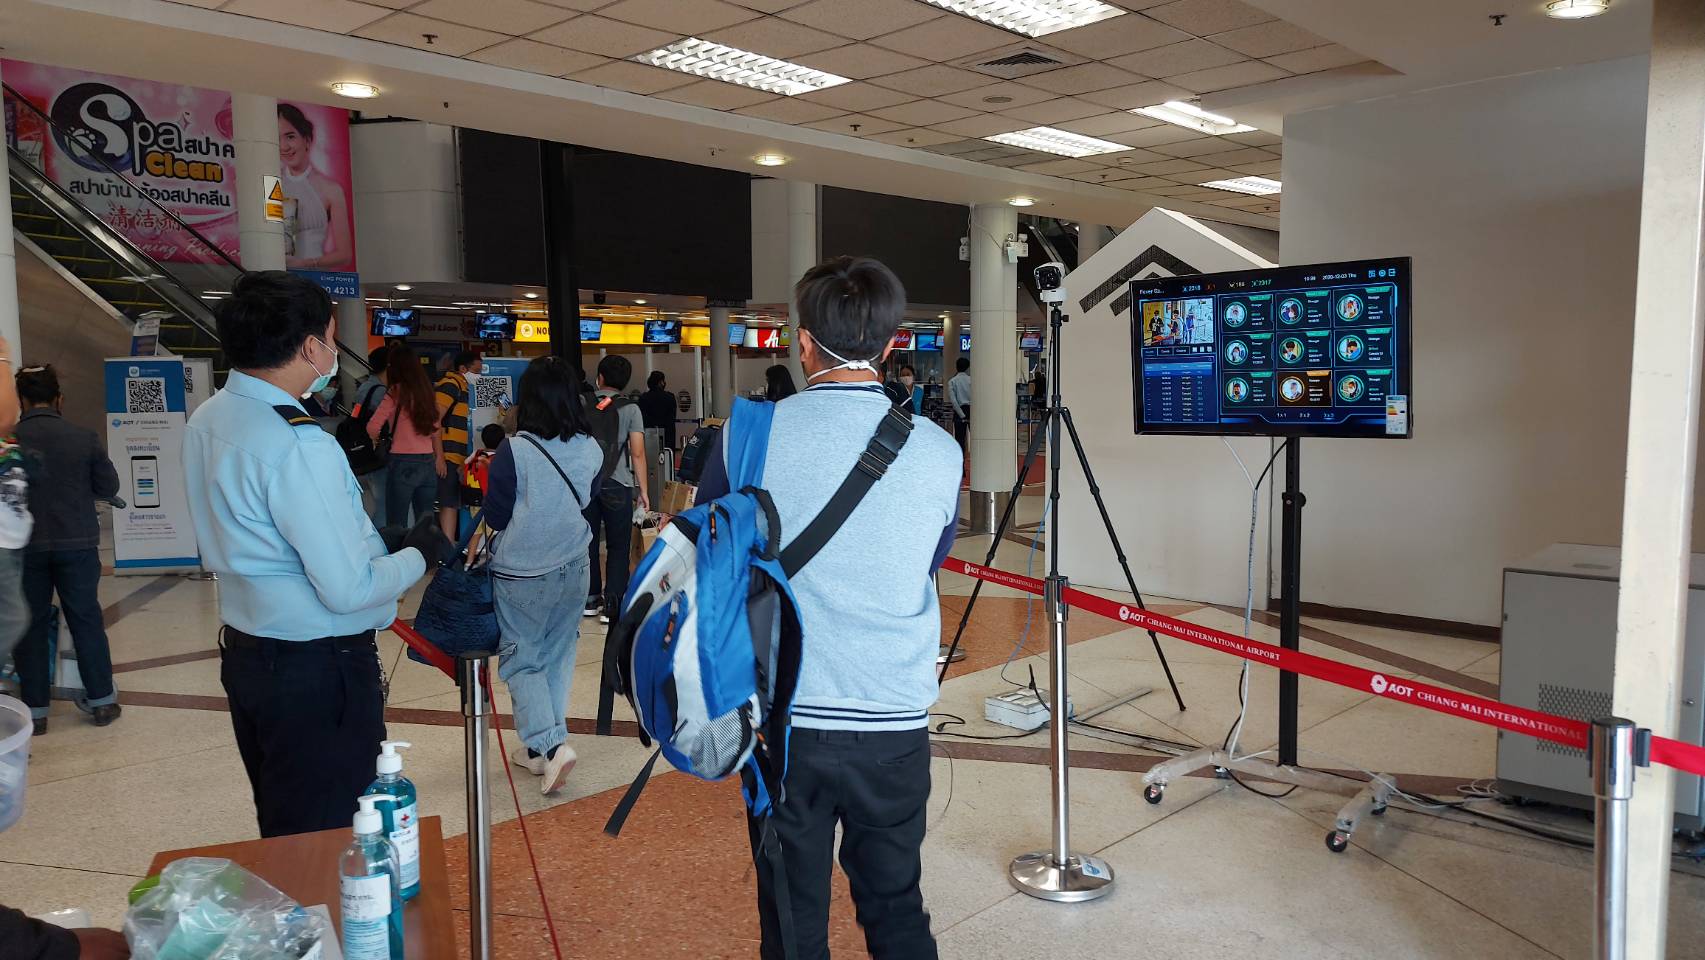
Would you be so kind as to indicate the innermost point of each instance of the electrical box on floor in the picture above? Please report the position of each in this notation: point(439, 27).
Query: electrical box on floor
point(1019, 709)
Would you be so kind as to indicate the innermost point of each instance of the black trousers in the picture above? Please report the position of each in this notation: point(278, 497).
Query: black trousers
point(875, 786)
point(611, 511)
point(309, 717)
point(962, 427)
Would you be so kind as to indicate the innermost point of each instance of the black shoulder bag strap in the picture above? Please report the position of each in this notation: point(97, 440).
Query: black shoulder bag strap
point(552, 461)
point(891, 435)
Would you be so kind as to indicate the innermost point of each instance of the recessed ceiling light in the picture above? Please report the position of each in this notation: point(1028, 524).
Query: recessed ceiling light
point(1194, 117)
point(1576, 9)
point(355, 90)
point(1259, 186)
point(718, 61)
point(1022, 201)
point(639, 301)
point(1033, 18)
point(530, 295)
point(1061, 142)
point(404, 287)
point(770, 159)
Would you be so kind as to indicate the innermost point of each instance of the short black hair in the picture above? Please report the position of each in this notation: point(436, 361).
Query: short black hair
point(38, 385)
point(377, 360)
point(492, 435)
point(465, 358)
point(616, 371)
point(268, 316)
point(655, 380)
point(906, 366)
point(293, 115)
point(548, 401)
point(851, 305)
point(962, 364)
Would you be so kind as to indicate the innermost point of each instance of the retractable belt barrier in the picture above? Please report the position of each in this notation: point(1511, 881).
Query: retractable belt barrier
point(1533, 723)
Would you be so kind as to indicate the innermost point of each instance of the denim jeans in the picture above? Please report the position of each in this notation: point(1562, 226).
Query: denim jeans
point(411, 480)
point(75, 575)
point(540, 622)
point(14, 609)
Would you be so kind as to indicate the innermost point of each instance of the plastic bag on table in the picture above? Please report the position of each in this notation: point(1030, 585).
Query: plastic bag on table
point(209, 909)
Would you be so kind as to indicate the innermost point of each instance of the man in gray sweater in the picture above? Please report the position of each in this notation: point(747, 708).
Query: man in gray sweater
point(859, 753)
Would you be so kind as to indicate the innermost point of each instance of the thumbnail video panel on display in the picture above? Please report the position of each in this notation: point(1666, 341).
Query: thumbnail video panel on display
point(662, 331)
point(1317, 350)
point(395, 323)
point(591, 330)
point(496, 326)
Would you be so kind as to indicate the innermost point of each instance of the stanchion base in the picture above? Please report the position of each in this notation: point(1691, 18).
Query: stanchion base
point(1082, 878)
point(941, 655)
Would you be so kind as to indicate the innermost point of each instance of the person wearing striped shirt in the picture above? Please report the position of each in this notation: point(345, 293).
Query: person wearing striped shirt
point(453, 401)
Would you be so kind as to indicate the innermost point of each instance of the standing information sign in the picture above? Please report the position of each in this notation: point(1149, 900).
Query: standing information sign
point(492, 393)
point(146, 411)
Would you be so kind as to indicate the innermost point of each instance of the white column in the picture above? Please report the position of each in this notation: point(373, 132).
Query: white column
point(9, 281)
point(951, 327)
point(254, 124)
point(721, 364)
point(1657, 510)
point(802, 255)
point(352, 331)
point(994, 341)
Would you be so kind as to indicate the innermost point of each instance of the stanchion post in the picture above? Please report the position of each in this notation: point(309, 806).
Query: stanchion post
point(1612, 752)
point(474, 677)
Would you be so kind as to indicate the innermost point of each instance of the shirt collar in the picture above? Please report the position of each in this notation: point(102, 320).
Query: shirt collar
point(244, 385)
point(865, 386)
point(39, 412)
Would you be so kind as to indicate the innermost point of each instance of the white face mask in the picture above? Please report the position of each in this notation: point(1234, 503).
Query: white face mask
point(845, 364)
point(907, 381)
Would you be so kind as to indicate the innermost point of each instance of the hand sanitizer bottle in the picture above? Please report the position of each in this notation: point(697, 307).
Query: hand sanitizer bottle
point(401, 814)
point(371, 891)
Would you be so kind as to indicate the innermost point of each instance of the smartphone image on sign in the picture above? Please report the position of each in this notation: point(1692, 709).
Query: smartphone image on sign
point(145, 481)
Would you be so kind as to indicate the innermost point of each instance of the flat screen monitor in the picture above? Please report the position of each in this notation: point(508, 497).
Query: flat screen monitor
point(395, 323)
point(929, 341)
point(495, 326)
point(1030, 342)
point(591, 331)
point(737, 334)
point(902, 339)
point(1316, 350)
point(662, 331)
point(964, 343)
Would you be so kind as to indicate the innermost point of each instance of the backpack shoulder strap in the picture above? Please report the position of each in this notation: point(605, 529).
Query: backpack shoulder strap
point(891, 435)
point(578, 502)
point(746, 442)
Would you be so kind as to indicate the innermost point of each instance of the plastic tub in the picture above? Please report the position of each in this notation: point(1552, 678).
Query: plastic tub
point(16, 729)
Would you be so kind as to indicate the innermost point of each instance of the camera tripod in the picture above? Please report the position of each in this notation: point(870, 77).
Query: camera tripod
point(1058, 874)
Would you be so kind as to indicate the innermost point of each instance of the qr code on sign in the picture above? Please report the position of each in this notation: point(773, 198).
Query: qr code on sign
point(145, 395)
point(492, 391)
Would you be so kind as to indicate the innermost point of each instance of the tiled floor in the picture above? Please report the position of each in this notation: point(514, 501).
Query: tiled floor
point(1212, 871)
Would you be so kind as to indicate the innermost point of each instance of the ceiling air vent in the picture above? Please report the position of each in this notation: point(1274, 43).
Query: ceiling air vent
point(1019, 60)
point(1025, 59)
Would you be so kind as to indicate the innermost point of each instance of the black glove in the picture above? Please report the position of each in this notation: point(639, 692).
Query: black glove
point(427, 537)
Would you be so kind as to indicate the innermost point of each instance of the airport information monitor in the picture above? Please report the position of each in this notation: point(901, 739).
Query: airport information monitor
point(395, 323)
point(1318, 350)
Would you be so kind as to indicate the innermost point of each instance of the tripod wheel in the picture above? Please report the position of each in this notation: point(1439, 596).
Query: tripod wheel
point(1153, 793)
point(1337, 841)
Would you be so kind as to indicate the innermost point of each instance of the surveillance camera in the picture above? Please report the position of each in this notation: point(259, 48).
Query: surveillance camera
point(1050, 282)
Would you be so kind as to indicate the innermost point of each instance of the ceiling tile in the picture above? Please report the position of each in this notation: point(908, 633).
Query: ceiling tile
point(933, 81)
point(1126, 158)
point(717, 95)
point(1019, 159)
point(1267, 168)
point(1118, 122)
point(634, 77)
point(1245, 155)
point(1150, 137)
point(1083, 78)
point(203, 4)
point(1100, 175)
point(867, 125)
point(685, 17)
point(791, 110)
point(863, 19)
point(1017, 94)
point(581, 5)
point(535, 57)
point(1204, 17)
point(861, 61)
point(1120, 35)
point(946, 38)
point(1055, 111)
point(1267, 39)
point(1198, 146)
point(1136, 95)
point(775, 38)
point(985, 125)
point(1212, 173)
point(1060, 166)
point(767, 6)
point(1145, 183)
point(610, 38)
point(1258, 138)
point(916, 137)
point(335, 16)
point(958, 147)
point(448, 38)
point(1177, 58)
point(1176, 190)
point(857, 97)
point(1161, 167)
point(514, 17)
point(1320, 58)
point(921, 113)
point(1228, 77)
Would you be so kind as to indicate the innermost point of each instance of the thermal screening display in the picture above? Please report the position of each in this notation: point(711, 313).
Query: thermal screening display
point(1320, 350)
point(496, 326)
point(662, 331)
point(395, 323)
point(591, 330)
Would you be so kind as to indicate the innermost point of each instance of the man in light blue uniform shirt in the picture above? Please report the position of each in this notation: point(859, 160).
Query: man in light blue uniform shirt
point(305, 579)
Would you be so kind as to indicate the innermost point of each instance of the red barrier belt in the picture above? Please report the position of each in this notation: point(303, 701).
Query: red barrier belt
point(1533, 723)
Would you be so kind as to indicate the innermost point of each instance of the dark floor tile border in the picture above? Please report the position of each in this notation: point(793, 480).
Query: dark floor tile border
point(1398, 661)
point(138, 598)
point(173, 660)
point(1399, 621)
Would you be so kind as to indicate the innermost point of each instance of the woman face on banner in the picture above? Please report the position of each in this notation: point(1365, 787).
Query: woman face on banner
point(295, 149)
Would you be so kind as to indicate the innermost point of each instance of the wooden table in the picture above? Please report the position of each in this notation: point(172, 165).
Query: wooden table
point(304, 867)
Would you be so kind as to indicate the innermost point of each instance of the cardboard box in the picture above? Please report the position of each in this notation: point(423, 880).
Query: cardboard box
point(677, 498)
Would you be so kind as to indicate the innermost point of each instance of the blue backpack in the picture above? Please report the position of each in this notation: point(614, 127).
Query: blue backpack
point(707, 649)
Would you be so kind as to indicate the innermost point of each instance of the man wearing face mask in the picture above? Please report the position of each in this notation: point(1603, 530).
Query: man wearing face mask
point(305, 579)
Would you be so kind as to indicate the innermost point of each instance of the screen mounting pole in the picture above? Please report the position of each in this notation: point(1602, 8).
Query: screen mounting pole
point(1290, 596)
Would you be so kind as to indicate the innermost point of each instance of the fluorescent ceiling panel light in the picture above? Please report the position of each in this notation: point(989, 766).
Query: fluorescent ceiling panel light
point(1194, 117)
point(1061, 142)
point(717, 61)
point(1259, 186)
point(1033, 18)
point(1576, 9)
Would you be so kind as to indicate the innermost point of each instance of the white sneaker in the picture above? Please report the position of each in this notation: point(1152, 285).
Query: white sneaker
point(533, 765)
point(557, 769)
point(604, 619)
point(592, 609)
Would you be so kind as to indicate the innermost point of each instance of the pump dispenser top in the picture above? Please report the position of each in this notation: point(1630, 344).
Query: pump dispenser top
point(368, 821)
point(389, 760)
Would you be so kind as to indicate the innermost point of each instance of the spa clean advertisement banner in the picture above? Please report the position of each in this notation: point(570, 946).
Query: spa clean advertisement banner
point(146, 403)
point(176, 143)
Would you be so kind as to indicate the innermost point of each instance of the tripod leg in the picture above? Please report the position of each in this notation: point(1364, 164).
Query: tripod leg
point(994, 544)
point(1118, 551)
